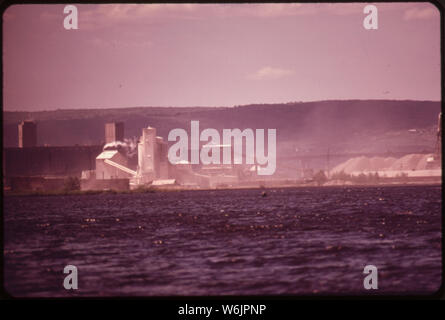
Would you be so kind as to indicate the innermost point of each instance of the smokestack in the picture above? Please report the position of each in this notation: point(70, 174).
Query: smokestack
point(114, 131)
point(27, 134)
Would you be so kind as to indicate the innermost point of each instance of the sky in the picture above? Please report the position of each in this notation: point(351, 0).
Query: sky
point(130, 55)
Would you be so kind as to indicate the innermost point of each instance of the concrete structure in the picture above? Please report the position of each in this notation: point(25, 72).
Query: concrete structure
point(152, 157)
point(49, 161)
point(27, 134)
point(104, 184)
point(162, 161)
point(164, 182)
point(111, 164)
point(111, 167)
point(37, 184)
point(111, 173)
point(146, 154)
point(221, 149)
point(114, 131)
point(32, 168)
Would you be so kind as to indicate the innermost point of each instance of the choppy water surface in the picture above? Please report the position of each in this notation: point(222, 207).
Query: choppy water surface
point(298, 241)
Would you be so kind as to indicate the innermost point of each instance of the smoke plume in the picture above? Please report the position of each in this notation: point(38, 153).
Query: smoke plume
point(128, 147)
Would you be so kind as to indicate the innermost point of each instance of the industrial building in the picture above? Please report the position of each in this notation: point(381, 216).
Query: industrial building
point(154, 169)
point(111, 165)
point(49, 161)
point(152, 158)
point(30, 167)
point(120, 165)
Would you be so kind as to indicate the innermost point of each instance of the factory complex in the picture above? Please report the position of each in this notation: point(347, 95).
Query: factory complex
point(149, 161)
point(119, 164)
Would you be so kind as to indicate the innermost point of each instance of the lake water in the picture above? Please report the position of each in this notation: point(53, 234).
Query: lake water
point(294, 241)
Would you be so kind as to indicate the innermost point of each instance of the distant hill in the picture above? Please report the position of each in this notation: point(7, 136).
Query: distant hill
point(350, 125)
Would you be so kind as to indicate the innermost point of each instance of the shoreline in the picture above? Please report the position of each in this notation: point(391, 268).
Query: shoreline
point(8, 193)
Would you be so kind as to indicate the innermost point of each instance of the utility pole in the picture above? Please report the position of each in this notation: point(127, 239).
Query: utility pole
point(328, 158)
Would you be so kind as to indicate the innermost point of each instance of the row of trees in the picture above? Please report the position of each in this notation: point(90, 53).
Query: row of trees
point(371, 178)
point(361, 178)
